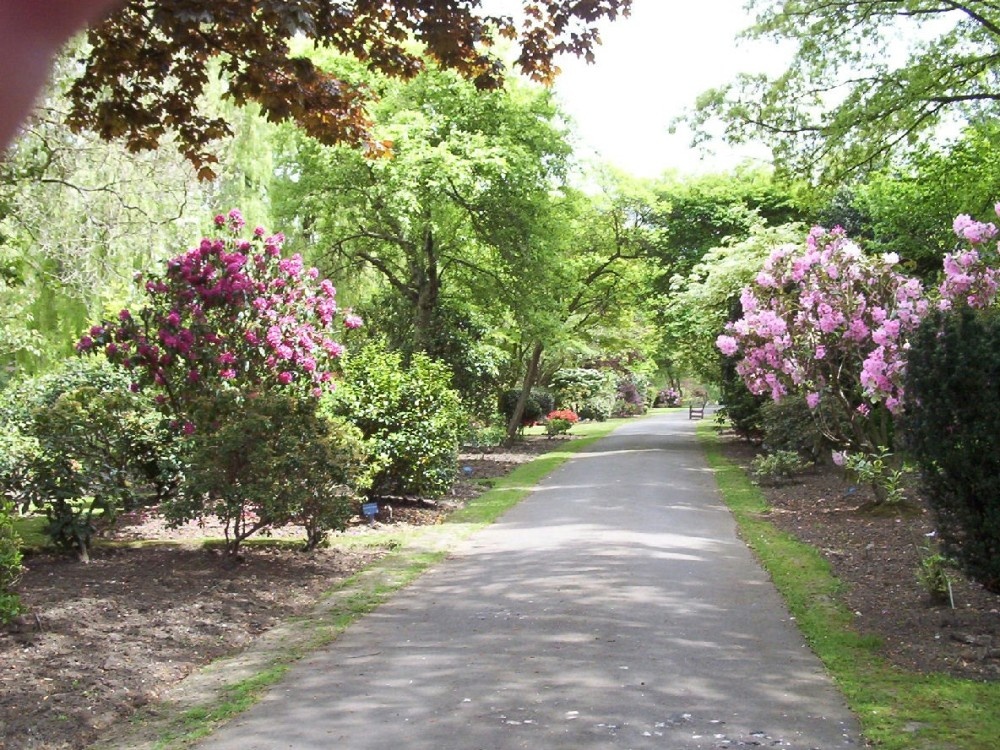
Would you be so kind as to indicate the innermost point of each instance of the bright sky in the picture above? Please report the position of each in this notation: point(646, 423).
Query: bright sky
point(650, 68)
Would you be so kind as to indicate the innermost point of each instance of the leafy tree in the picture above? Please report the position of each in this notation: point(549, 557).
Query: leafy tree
point(700, 304)
point(148, 64)
point(909, 209)
point(844, 105)
point(450, 215)
point(689, 216)
point(78, 217)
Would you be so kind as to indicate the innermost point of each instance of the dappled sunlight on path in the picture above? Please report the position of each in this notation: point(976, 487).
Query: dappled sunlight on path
point(614, 608)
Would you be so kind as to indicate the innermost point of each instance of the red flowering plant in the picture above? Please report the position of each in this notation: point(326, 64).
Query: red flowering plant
point(558, 422)
point(229, 314)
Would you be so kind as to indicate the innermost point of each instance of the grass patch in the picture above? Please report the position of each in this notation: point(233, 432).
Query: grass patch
point(31, 530)
point(898, 710)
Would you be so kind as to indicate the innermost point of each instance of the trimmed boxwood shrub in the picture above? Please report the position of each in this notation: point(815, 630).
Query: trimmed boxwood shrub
point(951, 426)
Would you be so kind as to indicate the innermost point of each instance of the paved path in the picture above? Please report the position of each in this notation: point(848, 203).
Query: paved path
point(613, 608)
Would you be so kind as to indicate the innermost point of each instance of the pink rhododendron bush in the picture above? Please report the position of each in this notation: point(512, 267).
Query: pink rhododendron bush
point(231, 313)
point(830, 323)
point(238, 342)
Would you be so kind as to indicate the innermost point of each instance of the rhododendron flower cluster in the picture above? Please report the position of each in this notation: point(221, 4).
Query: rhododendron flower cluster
point(968, 276)
point(231, 312)
point(830, 321)
point(826, 320)
point(567, 414)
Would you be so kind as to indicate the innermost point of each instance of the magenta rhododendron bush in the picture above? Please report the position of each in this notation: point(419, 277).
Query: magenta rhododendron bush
point(831, 323)
point(229, 313)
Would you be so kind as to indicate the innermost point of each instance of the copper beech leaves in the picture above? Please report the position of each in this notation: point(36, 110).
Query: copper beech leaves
point(148, 63)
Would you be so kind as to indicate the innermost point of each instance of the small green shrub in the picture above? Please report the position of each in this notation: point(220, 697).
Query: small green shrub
point(479, 437)
point(881, 472)
point(933, 576)
point(410, 416)
point(10, 563)
point(777, 467)
point(269, 461)
point(79, 447)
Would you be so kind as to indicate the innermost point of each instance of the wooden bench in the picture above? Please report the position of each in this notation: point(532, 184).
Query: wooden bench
point(697, 411)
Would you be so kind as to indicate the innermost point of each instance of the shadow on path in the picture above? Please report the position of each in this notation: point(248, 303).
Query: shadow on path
point(613, 608)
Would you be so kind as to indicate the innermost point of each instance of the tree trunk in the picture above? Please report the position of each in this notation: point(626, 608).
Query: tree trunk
point(522, 401)
point(426, 280)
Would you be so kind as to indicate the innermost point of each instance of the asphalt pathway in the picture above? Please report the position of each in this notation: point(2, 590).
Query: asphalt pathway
point(613, 608)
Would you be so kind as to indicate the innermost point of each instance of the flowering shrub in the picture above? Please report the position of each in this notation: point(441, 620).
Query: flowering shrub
point(829, 322)
point(630, 397)
point(565, 414)
point(560, 421)
point(668, 397)
point(231, 313)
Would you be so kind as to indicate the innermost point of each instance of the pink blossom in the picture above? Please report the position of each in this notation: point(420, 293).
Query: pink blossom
point(727, 345)
point(812, 399)
point(352, 321)
point(838, 457)
point(285, 377)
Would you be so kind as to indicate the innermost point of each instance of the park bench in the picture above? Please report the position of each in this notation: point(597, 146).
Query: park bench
point(696, 410)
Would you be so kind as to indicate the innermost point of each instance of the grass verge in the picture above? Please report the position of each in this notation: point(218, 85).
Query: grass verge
point(228, 687)
point(898, 710)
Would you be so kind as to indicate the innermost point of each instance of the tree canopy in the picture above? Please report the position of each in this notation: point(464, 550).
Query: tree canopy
point(149, 63)
point(854, 94)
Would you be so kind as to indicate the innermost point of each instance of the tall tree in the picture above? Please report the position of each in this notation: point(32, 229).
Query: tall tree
point(148, 65)
point(868, 80)
point(452, 213)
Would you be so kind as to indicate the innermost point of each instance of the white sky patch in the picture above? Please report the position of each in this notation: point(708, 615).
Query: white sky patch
point(650, 68)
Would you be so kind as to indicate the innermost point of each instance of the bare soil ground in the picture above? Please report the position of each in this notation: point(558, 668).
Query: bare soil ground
point(106, 638)
point(876, 555)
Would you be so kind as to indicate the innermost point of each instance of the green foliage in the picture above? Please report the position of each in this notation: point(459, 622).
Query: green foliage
point(269, 461)
point(589, 392)
point(885, 104)
point(82, 446)
point(951, 426)
point(777, 467)
point(484, 436)
point(540, 402)
point(790, 425)
point(881, 471)
point(701, 302)
point(932, 573)
point(10, 562)
point(410, 416)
